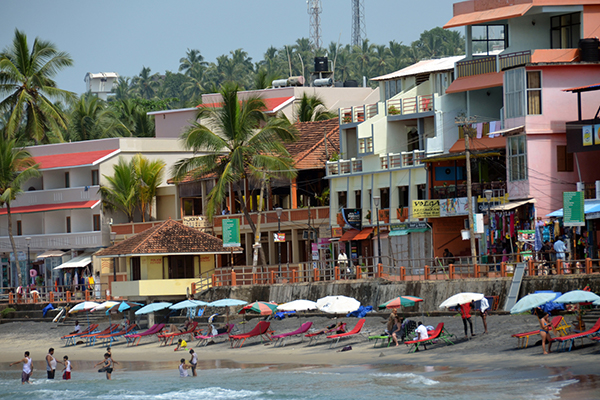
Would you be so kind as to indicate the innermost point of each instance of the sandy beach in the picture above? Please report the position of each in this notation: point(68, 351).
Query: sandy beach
point(494, 350)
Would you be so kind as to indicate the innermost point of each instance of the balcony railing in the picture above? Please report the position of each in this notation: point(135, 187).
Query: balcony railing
point(513, 59)
point(401, 160)
point(460, 190)
point(476, 66)
point(349, 115)
point(344, 166)
point(74, 240)
point(57, 196)
point(409, 105)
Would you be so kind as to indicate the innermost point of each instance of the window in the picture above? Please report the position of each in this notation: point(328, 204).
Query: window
point(357, 199)
point(402, 196)
point(136, 271)
point(19, 228)
point(67, 180)
point(384, 193)
point(365, 145)
point(95, 178)
point(489, 38)
point(565, 31)
point(514, 86)
point(517, 158)
point(342, 200)
point(96, 222)
point(181, 267)
point(422, 192)
point(564, 160)
point(534, 92)
point(392, 88)
point(68, 224)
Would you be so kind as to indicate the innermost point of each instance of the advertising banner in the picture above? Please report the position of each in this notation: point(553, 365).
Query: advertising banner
point(231, 233)
point(573, 209)
point(279, 237)
point(425, 208)
point(353, 217)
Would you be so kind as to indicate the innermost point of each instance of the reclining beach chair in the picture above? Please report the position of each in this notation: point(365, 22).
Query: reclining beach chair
point(316, 335)
point(571, 338)
point(281, 338)
point(70, 338)
point(167, 338)
point(558, 323)
point(439, 333)
point(113, 337)
point(335, 339)
point(203, 340)
point(261, 329)
point(135, 339)
point(90, 338)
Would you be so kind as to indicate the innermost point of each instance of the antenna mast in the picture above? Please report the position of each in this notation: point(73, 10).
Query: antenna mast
point(359, 29)
point(314, 10)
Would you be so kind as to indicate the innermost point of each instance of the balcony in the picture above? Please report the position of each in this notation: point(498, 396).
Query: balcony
point(401, 160)
point(57, 196)
point(409, 105)
point(486, 64)
point(152, 287)
point(460, 190)
point(344, 167)
point(513, 59)
point(74, 240)
point(351, 115)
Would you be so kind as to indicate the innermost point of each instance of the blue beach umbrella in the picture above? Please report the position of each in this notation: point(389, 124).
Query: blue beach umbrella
point(188, 304)
point(152, 307)
point(531, 301)
point(227, 303)
point(578, 296)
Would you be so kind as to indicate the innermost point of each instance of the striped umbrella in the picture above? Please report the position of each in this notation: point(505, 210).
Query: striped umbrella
point(261, 307)
point(401, 301)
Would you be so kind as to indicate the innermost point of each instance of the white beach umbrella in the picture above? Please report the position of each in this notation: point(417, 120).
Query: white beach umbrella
point(298, 305)
point(532, 300)
point(338, 304)
point(84, 306)
point(152, 307)
point(105, 305)
point(461, 298)
point(578, 296)
point(188, 304)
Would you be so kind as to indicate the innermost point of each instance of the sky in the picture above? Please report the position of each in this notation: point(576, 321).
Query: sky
point(123, 36)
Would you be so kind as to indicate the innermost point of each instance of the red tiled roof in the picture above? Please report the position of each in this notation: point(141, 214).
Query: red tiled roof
point(170, 237)
point(309, 150)
point(73, 159)
point(272, 105)
point(51, 207)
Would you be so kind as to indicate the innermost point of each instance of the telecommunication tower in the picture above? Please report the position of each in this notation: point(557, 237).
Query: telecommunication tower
point(314, 10)
point(359, 29)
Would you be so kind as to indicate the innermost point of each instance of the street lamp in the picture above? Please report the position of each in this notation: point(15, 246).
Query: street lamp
point(28, 239)
point(488, 196)
point(376, 202)
point(279, 210)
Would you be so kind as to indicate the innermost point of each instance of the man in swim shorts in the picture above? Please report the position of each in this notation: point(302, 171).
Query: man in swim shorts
point(67, 368)
point(50, 363)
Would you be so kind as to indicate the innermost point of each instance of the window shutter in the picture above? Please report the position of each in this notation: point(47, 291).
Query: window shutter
point(561, 158)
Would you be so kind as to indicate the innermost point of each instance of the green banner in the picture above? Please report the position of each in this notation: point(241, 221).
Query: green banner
point(231, 233)
point(573, 209)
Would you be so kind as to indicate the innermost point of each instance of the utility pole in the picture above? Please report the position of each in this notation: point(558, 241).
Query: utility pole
point(257, 244)
point(466, 122)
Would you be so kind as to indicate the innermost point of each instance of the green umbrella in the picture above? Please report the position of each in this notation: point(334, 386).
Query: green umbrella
point(401, 301)
point(260, 307)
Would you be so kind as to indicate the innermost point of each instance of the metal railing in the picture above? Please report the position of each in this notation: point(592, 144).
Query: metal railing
point(513, 59)
point(409, 105)
point(55, 294)
point(476, 66)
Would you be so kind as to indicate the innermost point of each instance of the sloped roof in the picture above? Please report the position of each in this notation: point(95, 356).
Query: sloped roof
point(423, 66)
point(170, 237)
point(74, 205)
point(488, 15)
point(272, 105)
point(82, 159)
point(309, 150)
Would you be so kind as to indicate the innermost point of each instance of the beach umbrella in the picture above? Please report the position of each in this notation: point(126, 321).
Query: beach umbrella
point(153, 307)
point(530, 301)
point(260, 307)
point(578, 296)
point(298, 305)
point(404, 301)
point(84, 306)
point(107, 305)
point(461, 298)
point(597, 303)
point(338, 304)
point(227, 303)
point(126, 305)
point(188, 304)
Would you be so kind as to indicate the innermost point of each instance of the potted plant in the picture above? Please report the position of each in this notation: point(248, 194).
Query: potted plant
point(346, 119)
point(392, 110)
point(368, 216)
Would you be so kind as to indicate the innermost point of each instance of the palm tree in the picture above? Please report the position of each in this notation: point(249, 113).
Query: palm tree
point(121, 192)
point(240, 142)
point(192, 60)
point(150, 175)
point(16, 167)
point(363, 56)
point(123, 89)
point(27, 86)
point(312, 108)
point(145, 84)
point(92, 119)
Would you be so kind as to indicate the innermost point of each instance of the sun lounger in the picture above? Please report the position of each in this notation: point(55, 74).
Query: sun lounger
point(261, 329)
point(316, 335)
point(558, 323)
point(113, 337)
point(70, 338)
point(383, 339)
point(90, 338)
point(167, 338)
point(571, 338)
point(439, 333)
point(335, 339)
point(281, 338)
point(135, 339)
point(203, 340)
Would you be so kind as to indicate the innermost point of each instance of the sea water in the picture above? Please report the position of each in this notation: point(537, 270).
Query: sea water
point(227, 380)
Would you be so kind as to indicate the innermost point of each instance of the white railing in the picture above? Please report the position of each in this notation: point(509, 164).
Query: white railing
point(56, 196)
point(349, 115)
point(401, 160)
point(409, 105)
point(50, 241)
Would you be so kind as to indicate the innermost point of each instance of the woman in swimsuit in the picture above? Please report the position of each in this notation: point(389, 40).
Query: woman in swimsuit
point(546, 327)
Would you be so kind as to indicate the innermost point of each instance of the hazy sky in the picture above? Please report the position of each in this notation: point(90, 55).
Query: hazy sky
point(122, 36)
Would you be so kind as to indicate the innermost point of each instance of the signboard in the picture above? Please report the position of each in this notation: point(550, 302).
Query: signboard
point(478, 221)
point(315, 251)
point(231, 232)
point(583, 135)
point(323, 243)
point(278, 237)
point(353, 217)
point(409, 225)
point(336, 232)
point(526, 236)
point(425, 208)
point(587, 135)
point(197, 222)
point(573, 214)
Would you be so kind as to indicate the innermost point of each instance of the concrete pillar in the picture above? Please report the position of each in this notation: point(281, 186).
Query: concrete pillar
point(294, 194)
point(295, 247)
point(204, 195)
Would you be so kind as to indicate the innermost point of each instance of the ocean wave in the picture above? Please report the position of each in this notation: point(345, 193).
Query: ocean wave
point(58, 394)
point(409, 377)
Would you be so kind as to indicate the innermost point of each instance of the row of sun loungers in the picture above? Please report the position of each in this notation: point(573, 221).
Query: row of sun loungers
point(134, 339)
point(167, 338)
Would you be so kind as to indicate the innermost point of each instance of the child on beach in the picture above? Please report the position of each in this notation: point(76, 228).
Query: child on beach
point(27, 368)
point(193, 361)
point(181, 344)
point(107, 365)
point(183, 367)
point(67, 369)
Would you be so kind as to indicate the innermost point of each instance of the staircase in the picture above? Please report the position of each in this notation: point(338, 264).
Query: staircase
point(515, 286)
point(35, 312)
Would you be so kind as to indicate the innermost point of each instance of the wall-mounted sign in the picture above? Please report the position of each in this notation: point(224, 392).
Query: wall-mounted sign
point(353, 217)
point(425, 208)
point(231, 232)
point(336, 232)
point(583, 135)
point(278, 237)
point(573, 209)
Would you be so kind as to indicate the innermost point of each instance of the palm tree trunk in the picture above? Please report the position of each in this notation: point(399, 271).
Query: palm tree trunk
point(261, 251)
point(12, 243)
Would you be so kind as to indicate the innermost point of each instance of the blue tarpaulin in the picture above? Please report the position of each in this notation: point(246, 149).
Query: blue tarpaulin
point(551, 305)
point(46, 309)
point(361, 312)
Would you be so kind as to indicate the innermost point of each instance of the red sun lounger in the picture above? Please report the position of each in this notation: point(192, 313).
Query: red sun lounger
point(439, 333)
point(261, 329)
point(571, 338)
point(90, 338)
point(316, 335)
point(203, 340)
point(70, 338)
point(355, 331)
point(281, 338)
point(113, 337)
point(557, 323)
point(167, 338)
point(134, 340)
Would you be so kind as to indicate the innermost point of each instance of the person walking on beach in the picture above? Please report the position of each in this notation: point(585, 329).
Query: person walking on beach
point(50, 363)
point(391, 321)
point(484, 308)
point(193, 362)
point(27, 368)
point(183, 367)
point(465, 312)
point(343, 263)
point(67, 369)
point(107, 365)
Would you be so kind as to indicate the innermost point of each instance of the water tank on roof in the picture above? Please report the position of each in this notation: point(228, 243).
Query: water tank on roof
point(323, 82)
point(295, 81)
point(279, 83)
point(589, 49)
point(321, 64)
point(351, 83)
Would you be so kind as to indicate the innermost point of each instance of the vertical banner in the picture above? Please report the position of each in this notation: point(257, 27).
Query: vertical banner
point(573, 209)
point(231, 232)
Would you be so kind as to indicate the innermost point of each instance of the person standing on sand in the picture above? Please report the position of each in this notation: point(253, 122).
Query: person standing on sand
point(465, 313)
point(484, 307)
point(27, 368)
point(183, 367)
point(50, 363)
point(67, 369)
point(396, 329)
point(107, 365)
point(391, 321)
point(546, 327)
point(193, 362)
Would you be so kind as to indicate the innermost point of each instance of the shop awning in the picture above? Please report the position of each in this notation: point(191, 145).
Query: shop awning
point(476, 82)
point(590, 206)
point(364, 234)
point(349, 235)
point(511, 205)
point(50, 253)
point(77, 262)
point(482, 144)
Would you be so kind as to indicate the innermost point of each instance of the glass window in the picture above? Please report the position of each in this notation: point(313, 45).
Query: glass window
point(95, 178)
point(565, 31)
point(422, 192)
point(534, 92)
point(517, 158)
point(403, 196)
point(357, 199)
point(384, 193)
point(19, 228)
point(365, 145)
point(68, 224)
point(489, 38)
point(96, 222)
point(342, 200)
point(514, 89)
point(67, 180)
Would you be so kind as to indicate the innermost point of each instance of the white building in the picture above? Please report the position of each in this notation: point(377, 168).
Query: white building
point(101, 84)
